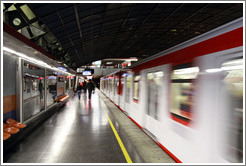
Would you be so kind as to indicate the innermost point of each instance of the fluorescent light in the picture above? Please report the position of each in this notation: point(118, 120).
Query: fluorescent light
point(33, 60)
point(237, 61)
point(213, 70)
point(131, 59)
point(187, 70)
point(9, 50)
point(159, 73)
point(238, 67)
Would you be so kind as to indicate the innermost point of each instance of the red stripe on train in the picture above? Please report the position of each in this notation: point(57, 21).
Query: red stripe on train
point(169, 153)
point(222, 42)
point(180, 121)
point(158, 143)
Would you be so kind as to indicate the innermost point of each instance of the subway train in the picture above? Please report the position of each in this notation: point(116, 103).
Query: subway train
point(189, 98)
point(33, 84)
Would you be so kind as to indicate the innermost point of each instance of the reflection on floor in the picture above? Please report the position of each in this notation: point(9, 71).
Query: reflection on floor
point(80, 133)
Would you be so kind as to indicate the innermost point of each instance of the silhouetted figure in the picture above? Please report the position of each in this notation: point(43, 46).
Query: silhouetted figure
point(53, 90)
point(40, 88)
point(84, 86)
point(79, 89)
point(91, 88)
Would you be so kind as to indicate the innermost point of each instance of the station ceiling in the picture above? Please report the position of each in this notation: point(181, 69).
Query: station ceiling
point(80, 33)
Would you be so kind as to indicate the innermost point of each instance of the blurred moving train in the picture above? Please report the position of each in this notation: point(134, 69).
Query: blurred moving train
point(189, 98)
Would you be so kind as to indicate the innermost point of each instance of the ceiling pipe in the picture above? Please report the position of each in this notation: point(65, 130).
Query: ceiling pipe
point(77, 19)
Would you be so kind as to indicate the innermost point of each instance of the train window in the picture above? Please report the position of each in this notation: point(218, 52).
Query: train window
point(128, 87)
point(136, 87)
point(154, 83)
point(182, 93)
point(67, 82)
point(107, 82)
point(34, 84)
point(60, 85)
point(60, 78)
point(51, 81)
point(233, 81)
point(121, 84)
point(112, 84)
point(24, 84)
point(116, 83)
point(28, 85)
point(72, 81)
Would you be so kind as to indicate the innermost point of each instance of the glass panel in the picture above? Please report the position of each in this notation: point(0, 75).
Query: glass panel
point(182, 93)
point(122, 84)
point(24, 84)
point(67, 81)
point(154, 86)
point(186, 73)
point(128, 88)
point(136, 87)
point(233, 81)
point(181, 101)
point(60, 84)
point(111, 84)
point(116, 83)
point(33, 90)
point(72, 81)
point(51, 82)
point(107, 83)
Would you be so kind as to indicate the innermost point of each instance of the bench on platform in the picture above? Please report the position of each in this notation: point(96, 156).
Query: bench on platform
point(62, 98)
point(11, 127)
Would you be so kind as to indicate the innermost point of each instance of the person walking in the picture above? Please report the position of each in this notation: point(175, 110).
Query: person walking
point(91, 88)
point(79, 89)
point(84, 86)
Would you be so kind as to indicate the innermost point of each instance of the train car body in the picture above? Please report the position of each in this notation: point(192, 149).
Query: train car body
point(32, 83)
point(188, 98)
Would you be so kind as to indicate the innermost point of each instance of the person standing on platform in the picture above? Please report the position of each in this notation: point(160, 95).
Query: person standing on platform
point(40, 88)
point(79, 89)
point(84, 86)
point(91, 88)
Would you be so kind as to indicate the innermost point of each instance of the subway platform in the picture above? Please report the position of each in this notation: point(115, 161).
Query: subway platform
point(85, 131)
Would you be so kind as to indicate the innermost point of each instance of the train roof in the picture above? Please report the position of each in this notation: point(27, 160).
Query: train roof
point(233, 25)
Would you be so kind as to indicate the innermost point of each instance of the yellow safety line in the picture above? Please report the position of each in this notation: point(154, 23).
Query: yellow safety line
point(128, 159)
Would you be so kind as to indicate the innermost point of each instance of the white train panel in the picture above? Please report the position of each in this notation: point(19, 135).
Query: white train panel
point(189, 98)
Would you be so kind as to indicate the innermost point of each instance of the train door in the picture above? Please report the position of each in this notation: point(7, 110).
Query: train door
point(123, 94)
point(112, 88)
point(222, 102)
point(121, 91)
point(107, 86)
point(33, 95)
point(102, 84)
point(154, 79)
point(127, 90)
point(116, 86)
